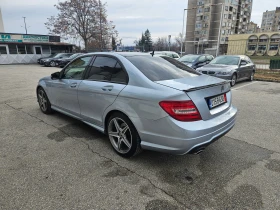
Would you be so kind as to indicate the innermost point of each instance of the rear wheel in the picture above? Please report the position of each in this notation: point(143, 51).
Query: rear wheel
point(233, 80)
point(123, 135)
point(43, 101)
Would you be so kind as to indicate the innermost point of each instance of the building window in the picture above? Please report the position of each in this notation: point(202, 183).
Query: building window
point(230, 9)
point(234, 11)
point(21, 49)
point(225, 16)
point(200, 3)
point(233, 18)
point(262, 47)
point(29, 49)
point(229, 24)
point(199, 18)
point(198, 25)
point(3, 50)
point(226, 8)
point(252, 47)
point(207, 9)
point(199, 10)
point(229, 16)
point(273, 47)
point(205, 17)
point(12, 49)
point(223, 32)
point(244, 19)
point(224, 24)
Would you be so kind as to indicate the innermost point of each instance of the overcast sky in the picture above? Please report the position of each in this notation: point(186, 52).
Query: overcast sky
point(131, 17)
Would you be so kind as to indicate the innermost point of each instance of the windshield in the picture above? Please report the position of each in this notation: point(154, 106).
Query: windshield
point(226, 60)
point(58, 55)
point(188, 58)
point(74, 55)
point(161, 68)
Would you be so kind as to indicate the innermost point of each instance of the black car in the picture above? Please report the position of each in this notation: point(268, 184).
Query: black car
point(52, 61)
point(64, 61)
point(50, 56)
point(196, 61)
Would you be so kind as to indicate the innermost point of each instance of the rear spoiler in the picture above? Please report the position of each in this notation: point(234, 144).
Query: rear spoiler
point(207, 86)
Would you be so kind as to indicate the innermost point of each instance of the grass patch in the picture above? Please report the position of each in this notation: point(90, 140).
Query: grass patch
point(268, 75)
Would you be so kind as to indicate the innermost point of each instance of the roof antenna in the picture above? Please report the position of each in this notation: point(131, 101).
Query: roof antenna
point(152, 53)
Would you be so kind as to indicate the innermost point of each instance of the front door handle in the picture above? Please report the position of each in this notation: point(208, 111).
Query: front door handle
point(73, 85)
point(107, 87)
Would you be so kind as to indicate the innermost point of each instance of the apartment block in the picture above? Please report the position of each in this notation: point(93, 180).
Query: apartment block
point(210, 20)
point(271, 20)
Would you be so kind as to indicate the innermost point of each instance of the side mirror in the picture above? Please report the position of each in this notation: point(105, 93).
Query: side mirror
point(55, 75)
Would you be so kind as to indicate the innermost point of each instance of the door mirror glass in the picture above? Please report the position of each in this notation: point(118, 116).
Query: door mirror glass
point(55, 75)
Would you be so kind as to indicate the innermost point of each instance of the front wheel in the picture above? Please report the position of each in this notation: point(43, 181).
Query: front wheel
point(43, 101)
point(233, 80)
point(251, 78)
point(52, 64)
point(123, 135)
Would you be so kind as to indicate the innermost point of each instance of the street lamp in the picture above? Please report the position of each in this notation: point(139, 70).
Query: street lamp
point(182, 35)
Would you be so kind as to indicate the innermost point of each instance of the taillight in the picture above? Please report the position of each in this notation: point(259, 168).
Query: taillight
point(181, 110)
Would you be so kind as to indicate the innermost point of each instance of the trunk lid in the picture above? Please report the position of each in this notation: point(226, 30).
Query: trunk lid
point(200, 89)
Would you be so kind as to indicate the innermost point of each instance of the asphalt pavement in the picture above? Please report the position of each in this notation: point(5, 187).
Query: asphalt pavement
point(56, 162)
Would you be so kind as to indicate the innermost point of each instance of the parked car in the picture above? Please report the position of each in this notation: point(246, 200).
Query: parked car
point(196, 61)
point(168, 53)
point(230, 67)
point(52, 61)
point(141, 101)
point(64, 61)
point(50, 56)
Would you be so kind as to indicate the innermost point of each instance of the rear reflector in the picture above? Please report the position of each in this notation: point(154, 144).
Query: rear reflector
point(181, 110)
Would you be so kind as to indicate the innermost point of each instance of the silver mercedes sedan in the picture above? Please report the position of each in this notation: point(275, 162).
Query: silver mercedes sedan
point(141, 101)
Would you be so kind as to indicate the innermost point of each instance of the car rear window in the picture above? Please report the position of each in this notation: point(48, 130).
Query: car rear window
point(161, 68)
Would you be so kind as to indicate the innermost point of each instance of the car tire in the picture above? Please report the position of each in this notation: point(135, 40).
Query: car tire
point(233, 80)
point(251, 78)
point(43, 101)
point(123, 135)
point(52, 64)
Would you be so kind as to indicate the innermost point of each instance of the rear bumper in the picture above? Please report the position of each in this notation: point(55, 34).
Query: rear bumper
point(175, 137)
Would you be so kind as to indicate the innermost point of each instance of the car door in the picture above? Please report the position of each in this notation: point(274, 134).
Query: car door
point(244, 68)
point(104, 80)
point(64, 91)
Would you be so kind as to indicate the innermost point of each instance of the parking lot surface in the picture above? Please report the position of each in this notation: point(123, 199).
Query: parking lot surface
point(56, 162)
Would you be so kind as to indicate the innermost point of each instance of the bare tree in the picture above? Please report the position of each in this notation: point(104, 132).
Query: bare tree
point(87, 18)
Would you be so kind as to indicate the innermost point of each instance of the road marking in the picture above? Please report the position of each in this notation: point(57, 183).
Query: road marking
point(244, 85)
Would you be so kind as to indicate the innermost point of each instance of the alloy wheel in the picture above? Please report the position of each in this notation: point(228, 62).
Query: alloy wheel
point(233, 80)
point(120, 135)
point(252, 76)
point(52, 63)
point(43, 100)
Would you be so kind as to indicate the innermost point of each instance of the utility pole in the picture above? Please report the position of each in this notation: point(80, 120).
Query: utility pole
point(25, 24)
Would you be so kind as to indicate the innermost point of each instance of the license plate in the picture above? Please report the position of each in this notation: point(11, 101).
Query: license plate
point(216, 101)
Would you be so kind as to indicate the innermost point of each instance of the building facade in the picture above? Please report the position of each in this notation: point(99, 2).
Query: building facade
point(271, 21)
point(252, 28)
point(27, 48)
point(257, 44)
point(210, 23)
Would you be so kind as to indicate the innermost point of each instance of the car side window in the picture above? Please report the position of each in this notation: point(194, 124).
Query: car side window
point(76, 69)
point(175, 56)
point(209, 58)
point(201, 59)
point(243, 62)
point(106, 69)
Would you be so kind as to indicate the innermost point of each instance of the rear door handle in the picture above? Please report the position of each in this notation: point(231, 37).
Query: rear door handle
point(107, 87)
point(73, 85)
